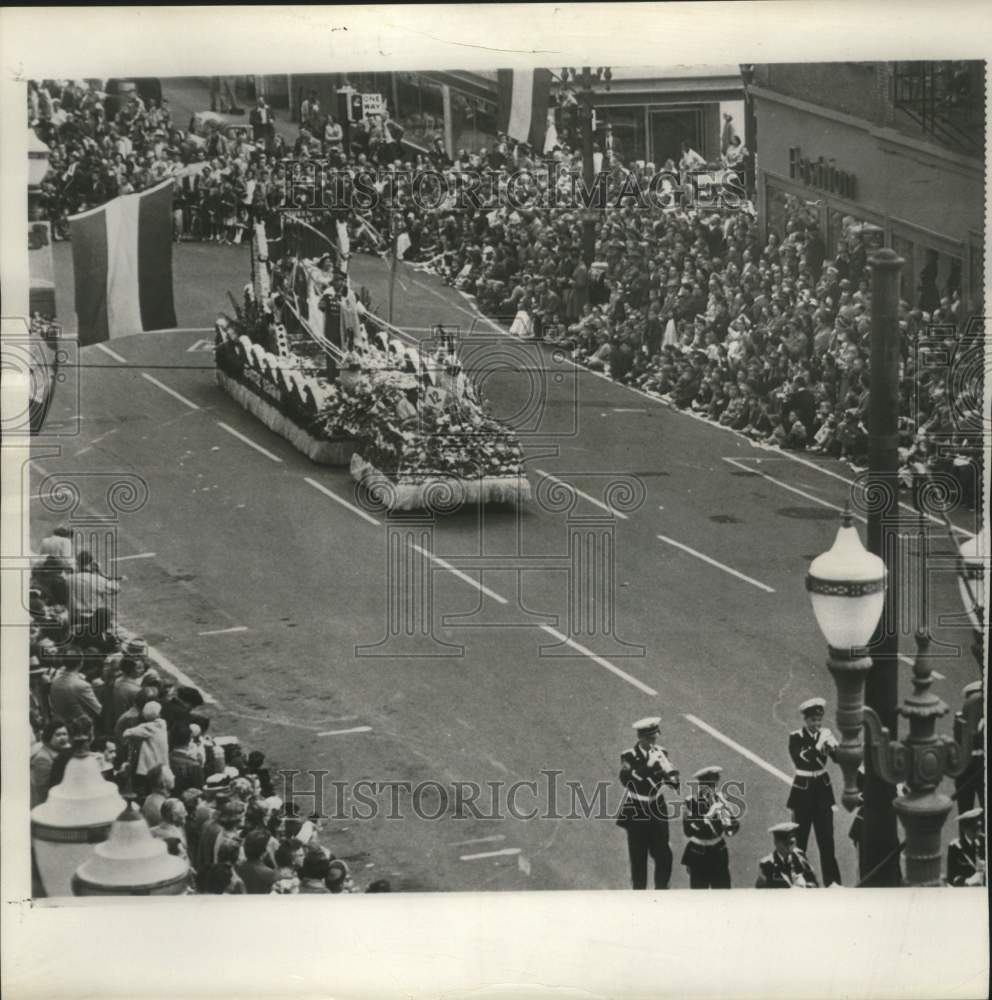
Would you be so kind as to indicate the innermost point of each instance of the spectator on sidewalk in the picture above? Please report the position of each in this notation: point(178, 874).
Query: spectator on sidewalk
point(161, 785)
point(71, 694)
point(257, 876)
point(55, 740)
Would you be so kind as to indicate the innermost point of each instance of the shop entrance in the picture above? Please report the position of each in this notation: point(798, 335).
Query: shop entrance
point(669, 128)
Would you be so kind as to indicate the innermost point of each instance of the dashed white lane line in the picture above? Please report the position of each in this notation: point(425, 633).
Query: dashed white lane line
point(172, 392)
point(170, 668)
point(482, 588)
point(113, 354)
point(585, 496)
point(137, 555)
point(791, 489)
point(344, 503)
point(347, 732)
point(605, 664)
point(734, 745)
point(506, 852)
point(718, 565)
point(494, 839)
point(224, 631)
point(248, 441)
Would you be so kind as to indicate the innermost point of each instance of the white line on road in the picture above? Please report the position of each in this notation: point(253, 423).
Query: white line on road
point(482, 588)
point(344, 503)
point(171, 392)
point(506, 852)
point(113, 354)
point(743, 751)
point(640, 685)
point(248, 441)
point(791, 489)
point(718, 565)
point(494, 839)
point(585, 496)
point(137, 555)
point(170, 668)
point(345, 732)
point(224, 631)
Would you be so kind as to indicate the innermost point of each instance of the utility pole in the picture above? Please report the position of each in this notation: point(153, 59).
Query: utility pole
point(879, 845)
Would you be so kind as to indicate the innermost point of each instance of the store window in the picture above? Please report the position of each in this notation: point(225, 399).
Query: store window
point(937, 278)
point(906, 248)
point(776, 210)
point(420, 108)
point(629, 135)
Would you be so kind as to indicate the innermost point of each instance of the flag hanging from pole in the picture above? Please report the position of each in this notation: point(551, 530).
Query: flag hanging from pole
point(122, 265)
point(522, 100)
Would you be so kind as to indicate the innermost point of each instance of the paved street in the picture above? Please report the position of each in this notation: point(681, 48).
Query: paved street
point(258, 573)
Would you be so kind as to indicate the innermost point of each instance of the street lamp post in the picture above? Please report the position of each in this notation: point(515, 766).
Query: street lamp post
point(880, 843)
point(847, 590)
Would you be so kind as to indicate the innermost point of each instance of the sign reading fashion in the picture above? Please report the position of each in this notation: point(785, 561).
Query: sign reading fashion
point(821, 174)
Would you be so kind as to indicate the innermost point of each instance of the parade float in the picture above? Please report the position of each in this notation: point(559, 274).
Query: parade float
point(309, 359)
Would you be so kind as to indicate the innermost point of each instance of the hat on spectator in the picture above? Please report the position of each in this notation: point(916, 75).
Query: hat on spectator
point(971, 816)
point(975, 687)
point(136, 646)
point(216, 783)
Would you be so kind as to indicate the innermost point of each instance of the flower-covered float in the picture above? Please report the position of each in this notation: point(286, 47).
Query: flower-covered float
point(344, 387)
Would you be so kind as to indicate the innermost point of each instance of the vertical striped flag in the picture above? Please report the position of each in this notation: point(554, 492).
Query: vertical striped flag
point(122, 262)
point(522, 100)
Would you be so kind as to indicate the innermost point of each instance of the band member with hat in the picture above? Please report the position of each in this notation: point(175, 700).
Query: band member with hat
point(971, 781)
point(786, 867)
point(966, 855)
point(645, 770)
point(706, 821)
point(812, 796)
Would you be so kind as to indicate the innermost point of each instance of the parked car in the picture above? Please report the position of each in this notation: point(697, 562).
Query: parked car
point(203, 123)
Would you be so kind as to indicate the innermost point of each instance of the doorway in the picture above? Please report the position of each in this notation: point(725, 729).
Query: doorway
point(669, 128)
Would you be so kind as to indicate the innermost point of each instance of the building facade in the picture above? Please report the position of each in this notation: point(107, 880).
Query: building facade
point(887, 152)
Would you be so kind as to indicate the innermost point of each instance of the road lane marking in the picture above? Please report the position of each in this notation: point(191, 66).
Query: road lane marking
point(113, 354)
point(137, 555)
point(344, 503)
point(791, 489)
point(481, 587)
point(718, 565)
point(506, 852)
point(224, 631)
point(248, 441)
point(585, 496)
point(743, 751)
point(640, 685)
point(169, 667)
point(494, 839)
point(171, 392)
point(345, 732)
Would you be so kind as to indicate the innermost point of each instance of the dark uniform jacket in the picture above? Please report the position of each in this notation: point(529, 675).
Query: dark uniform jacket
point(962, 859)
point(776, 873)
point(644, 775)
point(809, 755)
point(697, 826)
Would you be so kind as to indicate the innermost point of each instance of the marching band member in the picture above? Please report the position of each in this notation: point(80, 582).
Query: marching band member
point(707, 820)
point(966, 855)
point(812, 797)
point(786, 867)
point(644, 771)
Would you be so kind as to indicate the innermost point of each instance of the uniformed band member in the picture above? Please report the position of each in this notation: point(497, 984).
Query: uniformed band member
point(786, 867)
point(971, 781)
point(812, 796)
point(966, 855)
point(645, 770)
point(706, 821)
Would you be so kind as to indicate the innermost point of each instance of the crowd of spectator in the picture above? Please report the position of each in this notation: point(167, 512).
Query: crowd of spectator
point(95, 689)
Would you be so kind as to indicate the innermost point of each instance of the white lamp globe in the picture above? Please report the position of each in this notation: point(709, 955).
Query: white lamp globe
point(847, 590)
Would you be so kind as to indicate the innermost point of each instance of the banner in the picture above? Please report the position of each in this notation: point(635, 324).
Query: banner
point(522, 100)
point(122, 265)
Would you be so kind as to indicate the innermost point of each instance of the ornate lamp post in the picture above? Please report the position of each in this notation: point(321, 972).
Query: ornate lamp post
point(847, 590)
point(77, 814)
point(131, 862)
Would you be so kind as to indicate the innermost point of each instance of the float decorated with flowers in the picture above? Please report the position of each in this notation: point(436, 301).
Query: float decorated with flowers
point(315, 365)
